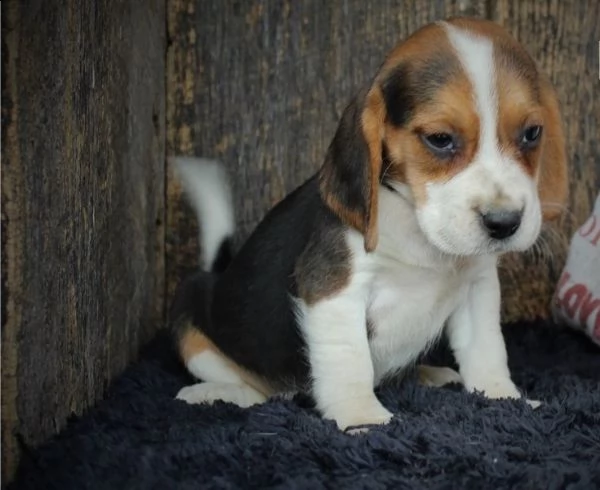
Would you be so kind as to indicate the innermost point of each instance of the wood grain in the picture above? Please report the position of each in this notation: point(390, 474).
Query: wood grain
point(83, 106)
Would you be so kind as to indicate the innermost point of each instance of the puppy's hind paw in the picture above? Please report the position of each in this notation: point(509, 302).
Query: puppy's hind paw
point(437, 376)
point(356, 430)
point(208, 393)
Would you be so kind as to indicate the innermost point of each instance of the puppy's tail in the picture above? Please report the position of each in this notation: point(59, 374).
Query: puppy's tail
point(206, 187)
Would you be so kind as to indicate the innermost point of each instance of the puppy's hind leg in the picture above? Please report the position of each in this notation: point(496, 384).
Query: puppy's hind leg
point(223, 379)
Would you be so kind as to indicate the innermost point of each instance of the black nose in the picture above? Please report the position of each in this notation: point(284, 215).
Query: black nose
point(501, 224)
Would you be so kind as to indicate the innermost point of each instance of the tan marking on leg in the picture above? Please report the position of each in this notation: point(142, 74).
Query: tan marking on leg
point(193, 342)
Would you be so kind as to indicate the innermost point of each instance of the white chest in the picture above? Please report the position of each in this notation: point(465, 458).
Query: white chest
point(407, 310)
point(414, 287)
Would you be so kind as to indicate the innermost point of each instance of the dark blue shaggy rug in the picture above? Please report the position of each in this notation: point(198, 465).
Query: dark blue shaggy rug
point(141, 438)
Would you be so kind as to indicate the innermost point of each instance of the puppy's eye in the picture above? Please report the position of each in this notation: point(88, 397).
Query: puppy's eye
point(530, 137)
point(442, 144)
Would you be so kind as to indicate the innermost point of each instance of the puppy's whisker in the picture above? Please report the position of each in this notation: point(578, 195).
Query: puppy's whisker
point(385, 171)
point(566, 213)
point(550, 247)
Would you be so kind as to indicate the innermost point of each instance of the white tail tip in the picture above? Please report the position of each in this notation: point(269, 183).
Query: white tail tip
point(206, 186)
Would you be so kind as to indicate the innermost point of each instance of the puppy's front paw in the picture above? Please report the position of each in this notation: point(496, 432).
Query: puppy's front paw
point(361, 425)
point(496, 388)
point(356, 416)
point(503, 388)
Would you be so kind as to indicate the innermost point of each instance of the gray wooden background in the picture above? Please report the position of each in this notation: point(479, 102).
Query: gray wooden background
point(94, 94)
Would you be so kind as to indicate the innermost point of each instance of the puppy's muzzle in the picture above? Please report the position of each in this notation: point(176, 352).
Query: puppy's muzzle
point(500, 224)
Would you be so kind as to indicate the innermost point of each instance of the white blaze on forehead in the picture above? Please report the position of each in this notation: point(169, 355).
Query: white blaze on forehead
point(450, 214)
point(476, 54)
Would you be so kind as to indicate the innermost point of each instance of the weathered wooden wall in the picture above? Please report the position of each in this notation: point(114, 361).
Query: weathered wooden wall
point(83, 107)
point(261, 85)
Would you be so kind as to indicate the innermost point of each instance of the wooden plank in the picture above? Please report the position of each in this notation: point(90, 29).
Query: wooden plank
point(261, 85)
point(563, 37)
point(82, 204)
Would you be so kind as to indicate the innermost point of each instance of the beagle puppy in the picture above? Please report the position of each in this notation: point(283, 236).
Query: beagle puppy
point(451, 156)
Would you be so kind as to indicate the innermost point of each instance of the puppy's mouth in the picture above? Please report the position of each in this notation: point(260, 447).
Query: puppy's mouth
point(500, 245)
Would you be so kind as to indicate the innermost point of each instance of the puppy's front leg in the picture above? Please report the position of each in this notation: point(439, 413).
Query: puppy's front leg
point(476, 339)
point(340, 360)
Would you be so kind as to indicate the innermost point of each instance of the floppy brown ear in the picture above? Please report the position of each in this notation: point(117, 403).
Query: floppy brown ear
point(553, 183)
point(349, 178)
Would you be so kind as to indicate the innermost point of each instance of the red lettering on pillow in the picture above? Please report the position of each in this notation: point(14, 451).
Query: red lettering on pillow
point(573, 298)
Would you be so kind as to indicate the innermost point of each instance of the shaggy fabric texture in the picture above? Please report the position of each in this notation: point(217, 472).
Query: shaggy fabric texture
point(139, 437)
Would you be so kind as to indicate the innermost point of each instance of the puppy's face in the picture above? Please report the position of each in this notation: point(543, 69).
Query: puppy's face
point(460, 122)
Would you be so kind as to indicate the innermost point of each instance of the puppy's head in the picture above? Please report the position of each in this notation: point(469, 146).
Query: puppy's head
point(460, 122)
